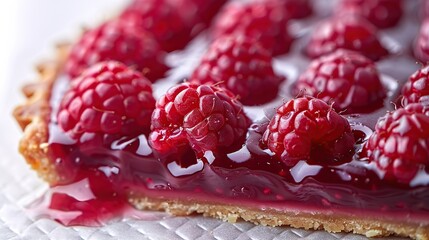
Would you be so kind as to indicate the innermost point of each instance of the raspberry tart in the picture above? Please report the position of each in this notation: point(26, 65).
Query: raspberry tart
point(241, 136)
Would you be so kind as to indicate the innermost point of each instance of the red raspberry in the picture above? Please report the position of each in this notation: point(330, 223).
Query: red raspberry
point(198, 117)
point(295, 8)
point(107, 98)
point(348, 79)
point(381, 13)
point(172, 28)
point(265, 22)
point(298, 8)
point(202, 11)
point(161, 18)
point(349, 32)
point(421, 45)
point(416, 89)
point(241, 66)
point(117, 41)
point(307, 128)
point(400, 143)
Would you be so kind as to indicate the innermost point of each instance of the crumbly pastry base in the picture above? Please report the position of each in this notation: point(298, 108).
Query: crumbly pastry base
point(271, 217)
point(33, 117)
point(34, 114)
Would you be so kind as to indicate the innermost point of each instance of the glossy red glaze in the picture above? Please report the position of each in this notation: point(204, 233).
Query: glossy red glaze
point(251, 176)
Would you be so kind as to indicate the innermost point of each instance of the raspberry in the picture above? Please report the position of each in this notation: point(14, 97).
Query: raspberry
point(241, 66)
point(381, 13)
point(108, 98)
point(400, 144)
point(307, 128)
point(421, 45)
point(161, 18)
point(295, 8)
point(349, 32)
point(265, 22)
point(172, 28)
point(115, 40)
point(197, 117)
point(347, 78)
point(416, 89)
point(202, 11)
point(298, 8)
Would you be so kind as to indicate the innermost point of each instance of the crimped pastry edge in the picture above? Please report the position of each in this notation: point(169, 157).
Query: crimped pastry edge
point(34, 115)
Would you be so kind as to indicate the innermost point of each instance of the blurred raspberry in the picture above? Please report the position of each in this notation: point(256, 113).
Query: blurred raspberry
point(172, 28)
point(296, 9)
point(348, 32)
point(381, 13)
point(115, 40)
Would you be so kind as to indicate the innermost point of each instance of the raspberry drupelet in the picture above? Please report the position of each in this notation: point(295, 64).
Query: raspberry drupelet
point(195, 119)
point(242, 66)
point(400, 144)
point(264, 21)
point(347, 79)
point(119, 41)
point(345, 31)
point(308, 129)
point(108, 98)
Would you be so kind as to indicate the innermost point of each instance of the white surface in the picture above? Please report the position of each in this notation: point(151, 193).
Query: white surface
point(28, 32)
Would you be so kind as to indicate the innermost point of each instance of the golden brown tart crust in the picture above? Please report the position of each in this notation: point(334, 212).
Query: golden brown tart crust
point(34, 115)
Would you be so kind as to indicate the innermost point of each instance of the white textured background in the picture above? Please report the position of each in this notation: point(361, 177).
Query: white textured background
point(28, 31)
